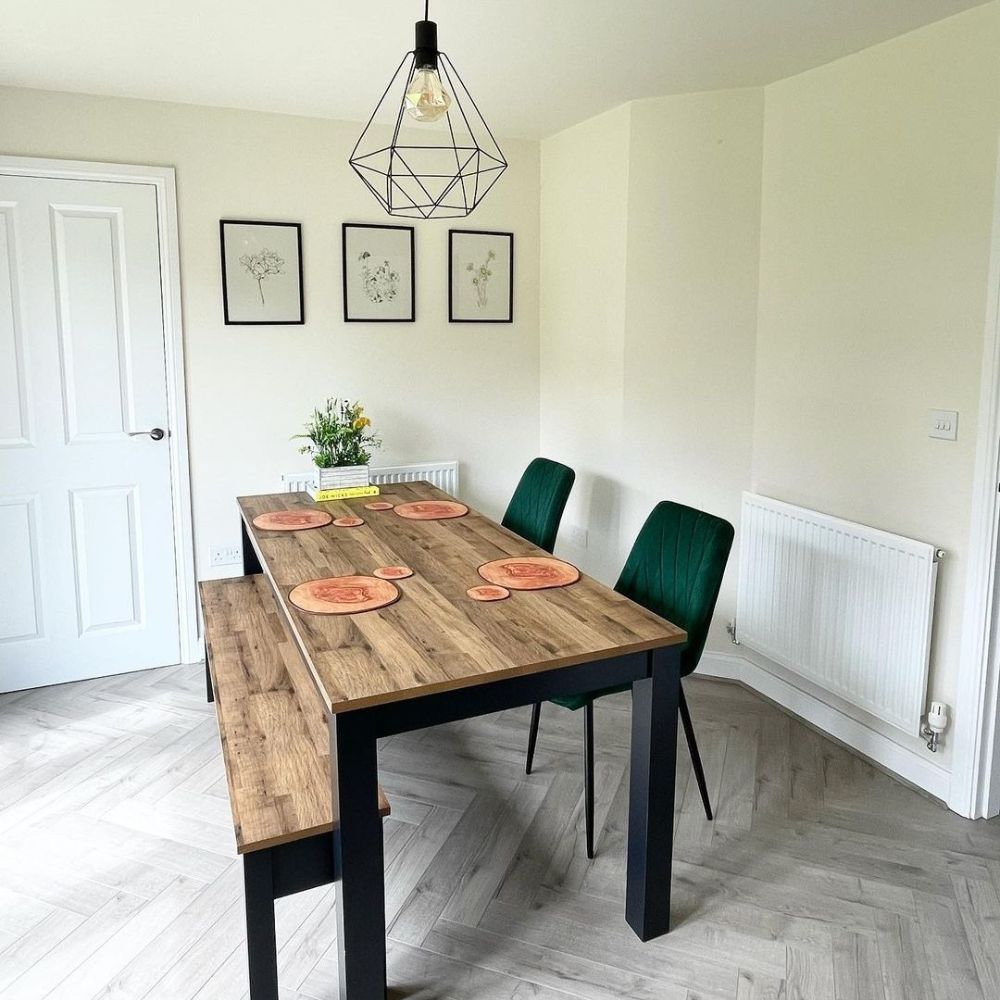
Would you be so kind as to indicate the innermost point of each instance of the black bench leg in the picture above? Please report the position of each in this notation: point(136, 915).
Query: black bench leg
point(358, 858)
point(262, 948)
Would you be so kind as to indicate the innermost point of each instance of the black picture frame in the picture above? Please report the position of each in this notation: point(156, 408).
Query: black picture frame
point(229, 308)
point(455, 314)
point(402, 316)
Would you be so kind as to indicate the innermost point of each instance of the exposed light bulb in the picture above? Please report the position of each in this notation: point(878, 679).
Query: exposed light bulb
point(426, 99)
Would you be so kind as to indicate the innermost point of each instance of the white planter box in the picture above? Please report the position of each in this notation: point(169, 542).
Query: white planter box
point(341, 477)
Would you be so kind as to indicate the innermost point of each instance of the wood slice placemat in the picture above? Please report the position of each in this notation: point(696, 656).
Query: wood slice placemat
point(393, 572)
point(431, 510)
point(343, 595)
point(292, 520)
point(529, 573)
point(488, 592)
point(379, 505)
point(348, 522)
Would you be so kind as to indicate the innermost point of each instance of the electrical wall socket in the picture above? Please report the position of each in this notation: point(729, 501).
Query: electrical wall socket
point(225, 555)
point(576, 535)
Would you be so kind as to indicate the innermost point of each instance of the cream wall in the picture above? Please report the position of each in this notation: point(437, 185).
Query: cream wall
point(434, 389)
point(805, 276)
point(583, 261)
point(878, 187)
point(649, 313)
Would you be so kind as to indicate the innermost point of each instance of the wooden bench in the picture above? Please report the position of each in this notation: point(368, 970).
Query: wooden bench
point(276, 749)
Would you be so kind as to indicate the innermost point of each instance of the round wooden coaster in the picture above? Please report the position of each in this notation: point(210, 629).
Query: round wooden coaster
point(431, 510)
point(291, 520)
point(529, 573)
point(348, 522)
point(379, 505)
point(393, 572)
point(343, 595)
point(488, 592)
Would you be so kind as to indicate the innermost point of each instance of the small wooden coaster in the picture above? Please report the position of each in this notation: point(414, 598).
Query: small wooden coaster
point(348, 522)
point(488, 592)
point(393, 572)
point(291, 520)
point(431, 510)
point(529, 573)
point(343, 595)
point(379, 505)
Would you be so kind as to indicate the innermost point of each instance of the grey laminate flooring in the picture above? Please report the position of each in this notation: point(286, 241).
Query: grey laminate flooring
point(821, 878)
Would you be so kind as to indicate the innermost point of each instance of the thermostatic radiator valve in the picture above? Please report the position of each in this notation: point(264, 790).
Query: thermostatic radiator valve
point(936, 724)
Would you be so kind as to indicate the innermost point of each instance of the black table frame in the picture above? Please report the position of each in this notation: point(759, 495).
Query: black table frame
point(358, 859)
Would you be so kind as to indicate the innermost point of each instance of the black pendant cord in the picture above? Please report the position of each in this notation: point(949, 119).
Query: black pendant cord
point(427, 9)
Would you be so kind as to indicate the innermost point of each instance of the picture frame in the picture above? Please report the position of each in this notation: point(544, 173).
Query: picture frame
point(261, 273)
point(379, 273)
point(480, 276)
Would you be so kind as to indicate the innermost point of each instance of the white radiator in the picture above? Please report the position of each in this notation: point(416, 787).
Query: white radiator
point(845, 606)
point(444, 475)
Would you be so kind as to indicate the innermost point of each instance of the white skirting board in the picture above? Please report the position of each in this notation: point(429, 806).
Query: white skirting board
point(900, 760)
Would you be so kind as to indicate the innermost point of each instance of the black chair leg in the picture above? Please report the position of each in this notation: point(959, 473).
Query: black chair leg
point(699, 771)
point(588, 773)
point(210, 694)
point(536, 711)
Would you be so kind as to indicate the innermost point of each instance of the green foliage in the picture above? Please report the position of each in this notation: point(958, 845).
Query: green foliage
point(339, 434)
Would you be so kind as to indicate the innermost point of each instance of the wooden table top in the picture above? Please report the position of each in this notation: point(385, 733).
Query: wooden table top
point(435, 638)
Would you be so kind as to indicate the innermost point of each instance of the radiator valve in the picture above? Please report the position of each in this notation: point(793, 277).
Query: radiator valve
point(937, 723)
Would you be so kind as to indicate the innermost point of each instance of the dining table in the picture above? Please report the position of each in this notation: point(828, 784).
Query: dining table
point(435, 655)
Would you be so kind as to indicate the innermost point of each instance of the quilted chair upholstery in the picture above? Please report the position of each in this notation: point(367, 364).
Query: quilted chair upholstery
point(536, 508)
point(675, 570)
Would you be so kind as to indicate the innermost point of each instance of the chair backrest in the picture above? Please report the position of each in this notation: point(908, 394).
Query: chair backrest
point(675, 570)
point(536, 508)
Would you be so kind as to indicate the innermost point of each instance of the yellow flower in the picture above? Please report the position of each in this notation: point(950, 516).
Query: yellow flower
point(361, 423)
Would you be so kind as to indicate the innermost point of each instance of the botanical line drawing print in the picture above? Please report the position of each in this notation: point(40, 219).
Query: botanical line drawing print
point(261, 265)
point(481, 279)
point(381, 283)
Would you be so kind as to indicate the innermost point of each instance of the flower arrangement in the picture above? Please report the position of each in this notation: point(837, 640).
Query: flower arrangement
point(339, 434)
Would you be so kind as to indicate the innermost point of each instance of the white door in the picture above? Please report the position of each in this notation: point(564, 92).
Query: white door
point(87, 567)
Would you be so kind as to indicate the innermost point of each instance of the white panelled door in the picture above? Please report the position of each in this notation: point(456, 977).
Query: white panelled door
point(87, 566)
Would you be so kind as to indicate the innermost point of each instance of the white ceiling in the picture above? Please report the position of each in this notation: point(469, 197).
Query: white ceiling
point(534, 66)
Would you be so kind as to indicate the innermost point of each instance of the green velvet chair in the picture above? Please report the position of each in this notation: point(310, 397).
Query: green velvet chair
point(536, 508)
point(675, 570)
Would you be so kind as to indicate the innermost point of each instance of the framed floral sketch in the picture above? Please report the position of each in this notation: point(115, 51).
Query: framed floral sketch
point(480, 276)
point(379, 275)
point(261, 272)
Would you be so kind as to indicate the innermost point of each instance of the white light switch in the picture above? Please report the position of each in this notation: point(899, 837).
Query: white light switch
point(943, 424)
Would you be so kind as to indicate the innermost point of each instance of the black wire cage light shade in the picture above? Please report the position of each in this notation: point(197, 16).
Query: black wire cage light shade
point(427, 152)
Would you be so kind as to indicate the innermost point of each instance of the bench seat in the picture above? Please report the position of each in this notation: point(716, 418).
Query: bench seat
point(275, 739)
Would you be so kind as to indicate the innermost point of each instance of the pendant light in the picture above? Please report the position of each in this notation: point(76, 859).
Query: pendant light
point(426, 151)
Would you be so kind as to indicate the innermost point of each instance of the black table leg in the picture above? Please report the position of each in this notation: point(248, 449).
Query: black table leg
point(651, 795)
point(251, 564)
point(358, 858)
point(262, 949)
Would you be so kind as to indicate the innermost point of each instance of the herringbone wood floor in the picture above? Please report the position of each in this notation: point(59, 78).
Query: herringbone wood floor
point(820, 878)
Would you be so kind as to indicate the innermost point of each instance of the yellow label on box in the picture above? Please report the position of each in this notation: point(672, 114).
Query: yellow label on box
point(345, 493)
